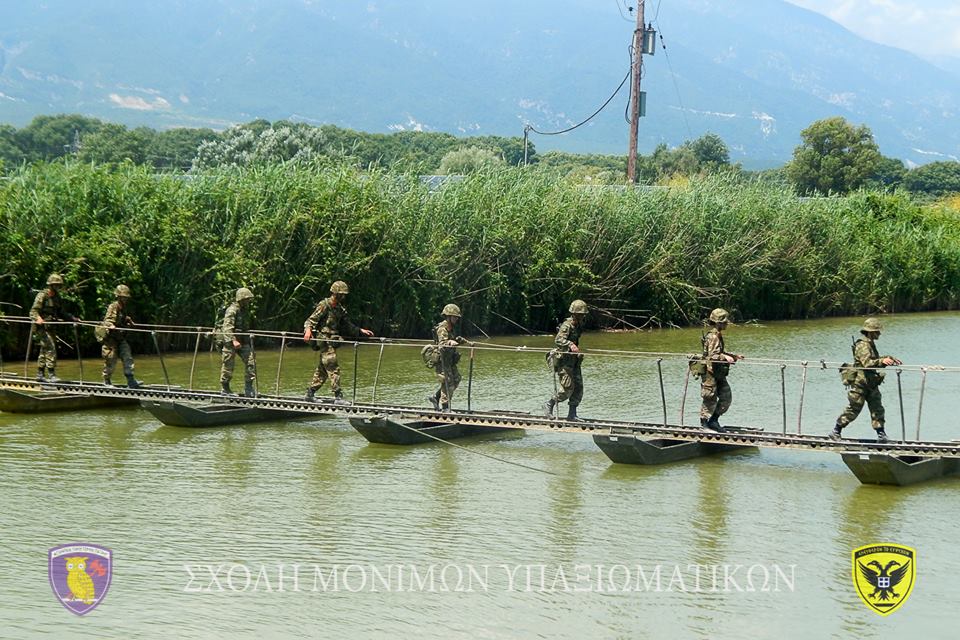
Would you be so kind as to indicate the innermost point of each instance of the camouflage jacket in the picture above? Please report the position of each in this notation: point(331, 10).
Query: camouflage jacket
point(236, 320)
point(568, 333)
point(48, 307)
point(713, 352)
point(865, 355)
point(116, 318)
point(444, 337)
point(331, 320)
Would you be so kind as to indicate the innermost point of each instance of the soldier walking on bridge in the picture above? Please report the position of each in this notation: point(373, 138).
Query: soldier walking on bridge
point(110, 333)
point(48, 307)
point(447, 358)
point(237, 341)
point(330, 321)
point(566, 359)
point(863, 381)
point(714, 388)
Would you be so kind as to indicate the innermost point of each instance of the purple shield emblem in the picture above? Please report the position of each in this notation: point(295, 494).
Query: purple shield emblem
point(80, 575)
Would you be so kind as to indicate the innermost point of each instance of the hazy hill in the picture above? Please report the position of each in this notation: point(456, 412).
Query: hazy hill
point(754, 71)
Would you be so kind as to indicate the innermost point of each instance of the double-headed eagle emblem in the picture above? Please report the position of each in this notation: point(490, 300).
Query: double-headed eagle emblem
point(884, 575)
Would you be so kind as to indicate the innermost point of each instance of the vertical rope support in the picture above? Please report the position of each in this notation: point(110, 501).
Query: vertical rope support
point(663, 394)
point(26, 358)
point(163, 365)
point(376, 377)
point(470, 383)
point(283, 347)
point(76, 343)
point(193, 363)
point(803, 389)
point(923, 386)
point(783, 395)
point(903, 421)
point(683, 399)
point(356, 351)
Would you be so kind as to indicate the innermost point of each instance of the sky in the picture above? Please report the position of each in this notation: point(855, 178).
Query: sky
point(929, 28)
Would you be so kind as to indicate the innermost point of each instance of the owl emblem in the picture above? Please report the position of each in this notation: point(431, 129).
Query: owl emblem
point(78, 581)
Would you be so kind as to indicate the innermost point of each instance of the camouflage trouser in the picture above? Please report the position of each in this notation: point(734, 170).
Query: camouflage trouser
point(48, 348)
point(857, 396)
point(448, 382)
point(110, 351)
point(716, 395)
point(571, 384)
point(228, 354)
point(327, 368)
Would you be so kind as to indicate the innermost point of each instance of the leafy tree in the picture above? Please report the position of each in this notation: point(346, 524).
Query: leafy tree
point(115, 143)
point(834, 157)
point(936, 178)
point(10, 152)
point(710, 151)
point(48, 137)
point(253, 144)
point(889, 174)
point(468, 160)
point(175, 149)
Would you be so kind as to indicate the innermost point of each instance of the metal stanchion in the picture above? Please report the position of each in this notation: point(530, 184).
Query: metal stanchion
point(803, 389)
point(923, 386)
point(163, 365)
point(470, 384)
point(283, 347)
point(903, 421)
point(356, 346)
point(256, 378)
point(76, 342)
point(26, 359)
point(663, 396)
point(193, 363)
point(783, 395)
point(376, 377)
point(683, 399)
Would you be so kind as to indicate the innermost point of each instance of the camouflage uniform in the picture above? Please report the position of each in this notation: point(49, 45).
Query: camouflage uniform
point(49, 307)
point(446, 370)
point(714, 388)
point(115, 342)
point(567, 364)
point(330, 320)
point(866, 386)
point(237, 320)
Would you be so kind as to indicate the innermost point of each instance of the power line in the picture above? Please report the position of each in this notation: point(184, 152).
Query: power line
point(589, 118)
point(676, 87)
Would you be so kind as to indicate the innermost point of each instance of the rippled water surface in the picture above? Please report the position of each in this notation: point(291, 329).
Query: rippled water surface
point(315, 493)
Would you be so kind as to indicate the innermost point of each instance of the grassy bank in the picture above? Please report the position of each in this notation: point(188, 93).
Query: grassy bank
point(504, 245)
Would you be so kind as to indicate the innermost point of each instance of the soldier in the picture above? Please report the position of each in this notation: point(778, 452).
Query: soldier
point(714, 388)
point(47, 307)
point(331, 318)
point(446, 368)
point(237, 341)
point(566, 359)
point(864, 381)
point(114, 339)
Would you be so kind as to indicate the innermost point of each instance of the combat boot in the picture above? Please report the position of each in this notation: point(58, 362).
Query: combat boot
point(548, 407)
point(40, 376)
point(703, 423)
point(248, 391)
point(133, 383)
point(225, 389)
point(311, 395)
point(572, 414)
point(882, 435)
point(340, 400)
point(107, 382)
point(434, 400)
point(714, 424)
point(837, 432)
point(52, 376)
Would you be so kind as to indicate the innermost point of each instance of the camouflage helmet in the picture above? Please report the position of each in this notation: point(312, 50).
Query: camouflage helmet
point(719, 315)
point(451, 310)
point(54, 278)
point(122, 291)
point(339, 287)
point(579, 306)
point(244, 294)
point(871, 324)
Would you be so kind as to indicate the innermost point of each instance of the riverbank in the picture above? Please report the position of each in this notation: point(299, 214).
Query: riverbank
point(511, 247)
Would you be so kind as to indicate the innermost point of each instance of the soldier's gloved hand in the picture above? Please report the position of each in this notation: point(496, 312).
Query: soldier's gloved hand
point(307, 334)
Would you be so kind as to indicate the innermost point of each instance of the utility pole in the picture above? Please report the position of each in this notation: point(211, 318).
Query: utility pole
point(635, 94)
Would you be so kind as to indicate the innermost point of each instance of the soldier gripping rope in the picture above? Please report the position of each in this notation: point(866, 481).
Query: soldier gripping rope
point(714, 388)
point(110, 333)
point(48, 307)
point(444, 358)
point(863, 381)
point(566, 359)
point(237, 341)
point(330, 321)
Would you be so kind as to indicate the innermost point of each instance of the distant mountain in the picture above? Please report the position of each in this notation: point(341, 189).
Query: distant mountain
point(754, 71)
